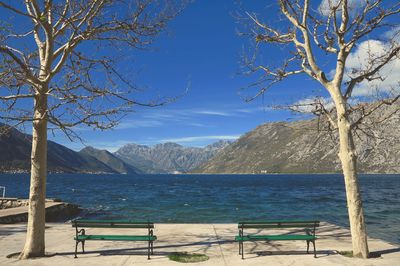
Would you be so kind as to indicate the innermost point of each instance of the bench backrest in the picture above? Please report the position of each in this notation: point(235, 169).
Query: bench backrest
point(308, 225)
point(277, 224)
point(112, 224)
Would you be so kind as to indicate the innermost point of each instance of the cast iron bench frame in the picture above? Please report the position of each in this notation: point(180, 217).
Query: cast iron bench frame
point(309, 236)
point(81, 236)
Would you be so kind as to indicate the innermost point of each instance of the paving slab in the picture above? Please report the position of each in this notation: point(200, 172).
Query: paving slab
point(214, 240)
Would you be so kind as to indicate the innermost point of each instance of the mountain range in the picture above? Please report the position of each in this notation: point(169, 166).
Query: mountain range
point(168, 157)
point(280, 147)
point(15, 152)
point(302, 147)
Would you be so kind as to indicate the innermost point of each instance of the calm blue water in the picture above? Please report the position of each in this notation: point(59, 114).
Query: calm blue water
point(223, 198)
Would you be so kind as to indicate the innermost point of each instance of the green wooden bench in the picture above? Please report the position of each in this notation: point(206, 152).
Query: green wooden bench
point(308, 235)
point(81, 236)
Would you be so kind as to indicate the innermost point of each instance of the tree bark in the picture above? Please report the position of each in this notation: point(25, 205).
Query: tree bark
point(348, 158)
point(35, 237)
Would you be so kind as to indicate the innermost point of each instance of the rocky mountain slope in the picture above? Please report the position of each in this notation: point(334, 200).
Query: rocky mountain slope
point(298, 147)
point(110, 160)
point(167, 157)
point(15, 153)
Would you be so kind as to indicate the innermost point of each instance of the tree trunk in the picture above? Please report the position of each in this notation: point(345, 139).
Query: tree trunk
point(348, 158)
point(35, 239)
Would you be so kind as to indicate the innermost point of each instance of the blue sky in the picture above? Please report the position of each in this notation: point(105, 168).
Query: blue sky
point(201, 51)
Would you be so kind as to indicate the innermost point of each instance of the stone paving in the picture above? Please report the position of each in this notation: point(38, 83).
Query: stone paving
point(214, 240)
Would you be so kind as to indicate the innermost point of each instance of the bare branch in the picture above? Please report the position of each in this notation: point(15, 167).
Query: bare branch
point(367, 110)
point(59, 28)
point(19, 96)
point(9, 51)
point(375, 68)
point(13, 9)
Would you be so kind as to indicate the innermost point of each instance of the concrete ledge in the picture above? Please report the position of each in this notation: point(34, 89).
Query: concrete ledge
point(6, 203)
point(55, 212)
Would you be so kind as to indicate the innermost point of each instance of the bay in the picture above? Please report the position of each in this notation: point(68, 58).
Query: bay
point(223, 198)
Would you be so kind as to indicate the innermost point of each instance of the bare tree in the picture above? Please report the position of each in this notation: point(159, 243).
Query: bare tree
point(335, 30)
point(62, 55)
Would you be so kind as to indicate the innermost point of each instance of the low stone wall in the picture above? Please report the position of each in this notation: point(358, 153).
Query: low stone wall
point(59, 212)
point(6, 203)
point(62, 212)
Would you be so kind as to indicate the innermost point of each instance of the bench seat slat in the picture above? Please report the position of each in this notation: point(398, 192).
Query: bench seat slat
point(117, 237)
point(106, 225)
point(261, 226)
point(274, 237)
point(280, 221)
point(111, 221)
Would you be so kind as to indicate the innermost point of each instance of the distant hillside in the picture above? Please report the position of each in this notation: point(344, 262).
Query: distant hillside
point(167, 157)
point(15, 153)
point(298, 147)
point(110, 160)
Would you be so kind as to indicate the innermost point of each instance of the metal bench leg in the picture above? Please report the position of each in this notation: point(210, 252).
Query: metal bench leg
point(239, 248)
point(76, 249)
point(148, 251)
point(242, 252)
point(152, 250)
point(83, 246)
point(315, 252)
point(308, 246)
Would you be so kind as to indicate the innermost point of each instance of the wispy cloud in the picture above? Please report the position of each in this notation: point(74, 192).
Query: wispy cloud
point(191, 117)
point(255, 109)
point(210, 112)
point(132, 123)
point(198, 125)
point(164, 114)
point(129, 124)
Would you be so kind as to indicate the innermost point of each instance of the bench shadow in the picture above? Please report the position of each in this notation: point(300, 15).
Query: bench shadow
point(332, 231)
point(378, 253)
point(12, 231)
point(320, 253)
point(277, 246)
point(203, 247)
point(7, 229)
